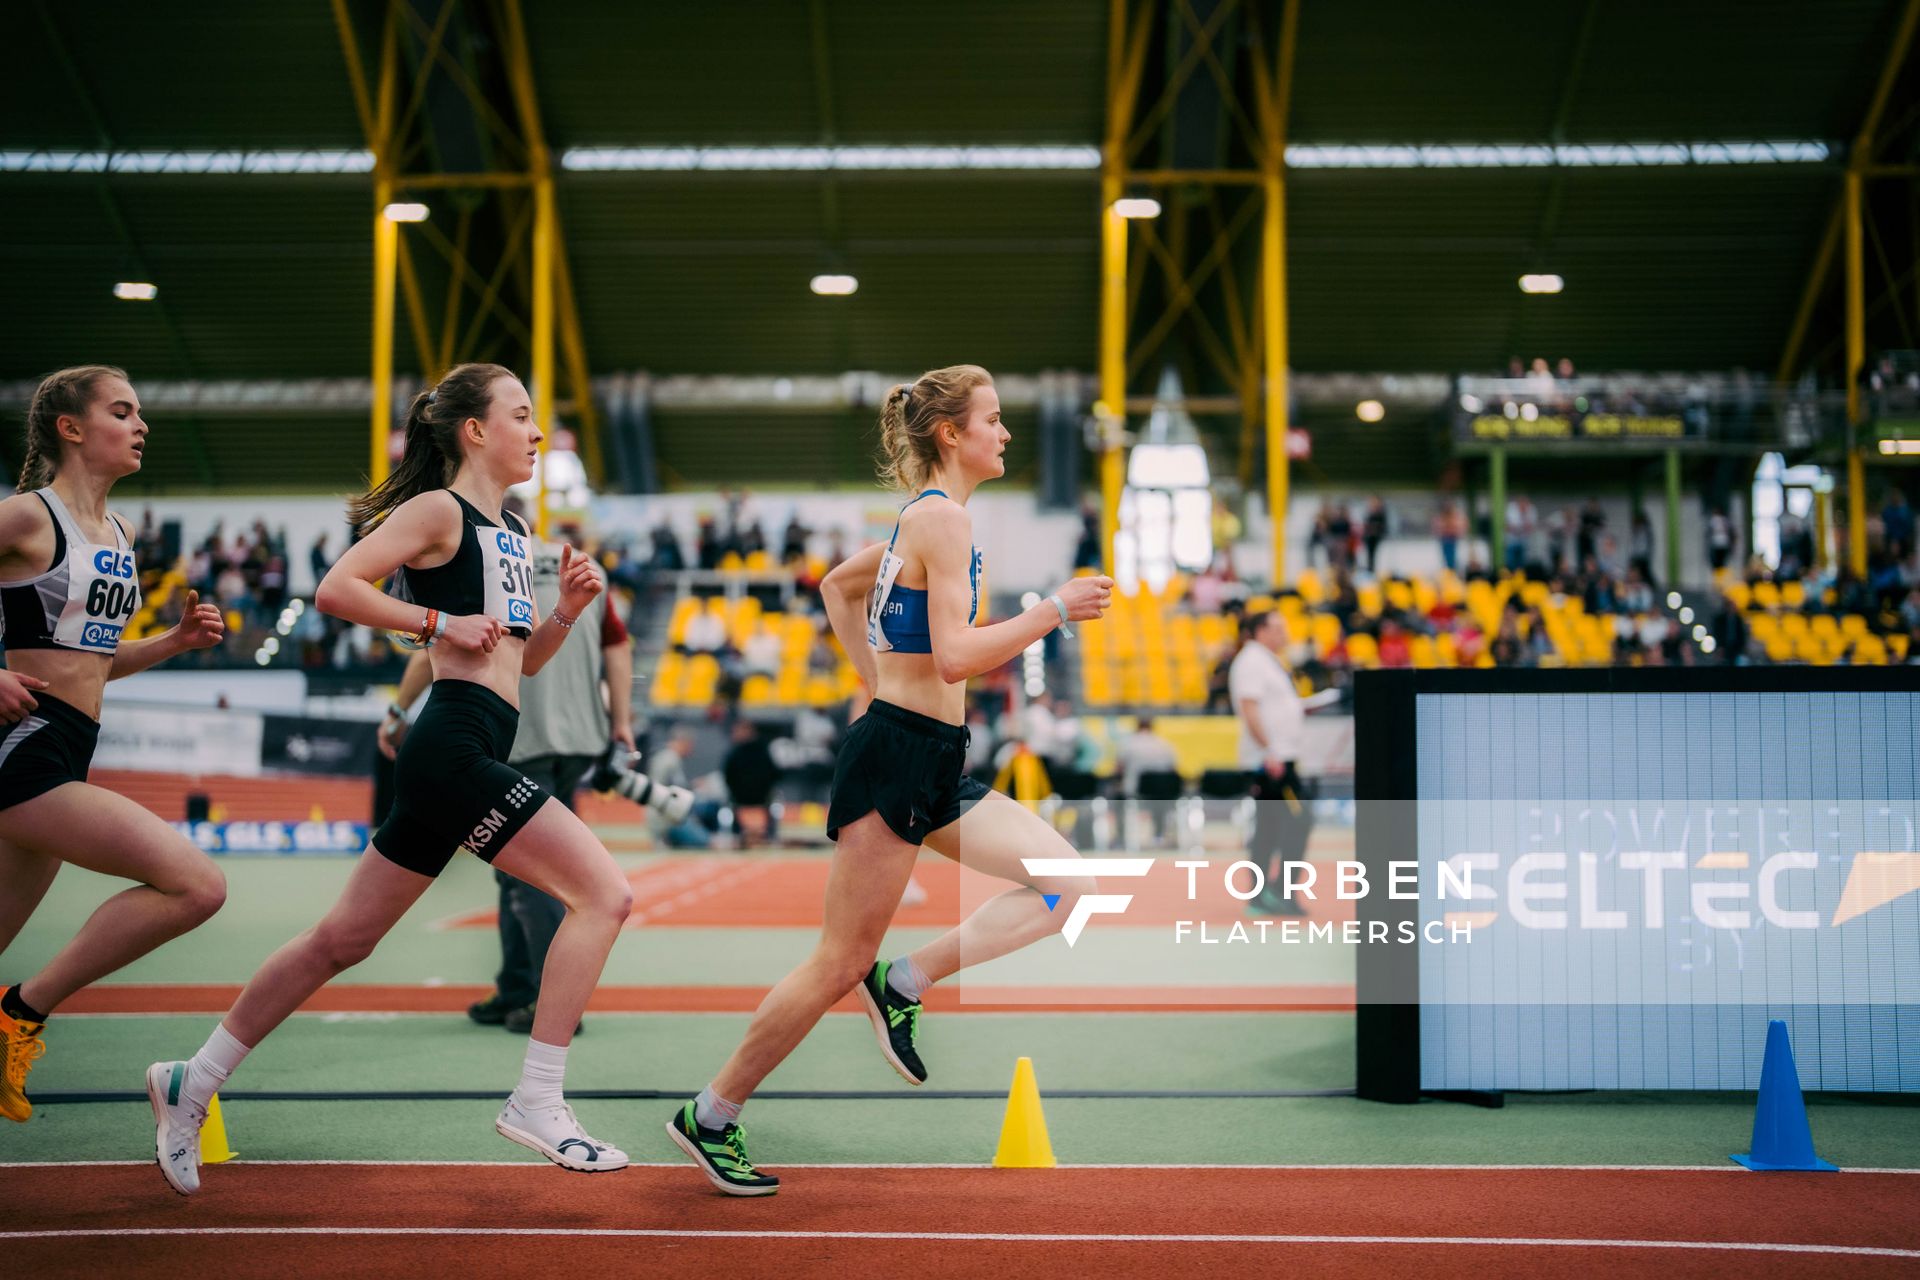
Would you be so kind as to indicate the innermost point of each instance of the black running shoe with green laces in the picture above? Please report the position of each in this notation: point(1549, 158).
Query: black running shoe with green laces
point(896, 1023)
point(721, 1155)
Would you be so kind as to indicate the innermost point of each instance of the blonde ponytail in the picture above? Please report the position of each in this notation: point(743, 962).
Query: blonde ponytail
point(66, 393)
point(912, 411)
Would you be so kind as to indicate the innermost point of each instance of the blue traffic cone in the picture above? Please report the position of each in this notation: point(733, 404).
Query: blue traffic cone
point(1781, 1138)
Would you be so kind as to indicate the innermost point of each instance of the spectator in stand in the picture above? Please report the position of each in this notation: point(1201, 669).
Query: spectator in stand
point(1395, 651)
point(762, 653)
point(667, 556)
point(1593, 523)
point(706, 633)
point(1730, 632)
point(1508, 648)
point(1449, 526)
point(318, 561)
point(1720, 539)
point(1558, 523)
point(707, 543)
point(1896, 519)
point(793, 542)
point(1522, 522)
point(1640, 545)
point(1373, 531)
point(1208, 591)
point(1142, 751)
point(1339, 537)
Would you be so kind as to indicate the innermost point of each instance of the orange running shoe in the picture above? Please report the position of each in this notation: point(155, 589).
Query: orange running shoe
point(20, 1047)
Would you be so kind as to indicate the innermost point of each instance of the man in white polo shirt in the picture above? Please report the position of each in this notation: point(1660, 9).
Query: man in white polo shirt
point(1272, 730)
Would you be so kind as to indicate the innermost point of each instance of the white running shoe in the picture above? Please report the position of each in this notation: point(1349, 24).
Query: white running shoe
point(177, 1120)
point(557, 1135)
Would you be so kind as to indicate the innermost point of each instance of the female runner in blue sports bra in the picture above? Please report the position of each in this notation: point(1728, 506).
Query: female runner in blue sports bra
point(898, 782)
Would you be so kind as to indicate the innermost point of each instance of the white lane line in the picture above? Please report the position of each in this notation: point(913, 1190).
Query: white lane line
point(1064, 1168)
point(1008, 1237)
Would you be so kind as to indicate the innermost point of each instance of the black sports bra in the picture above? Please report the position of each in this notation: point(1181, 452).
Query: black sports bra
point(491, 573)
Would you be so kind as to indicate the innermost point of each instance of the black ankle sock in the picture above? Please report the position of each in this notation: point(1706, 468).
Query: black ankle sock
point(14, 1007)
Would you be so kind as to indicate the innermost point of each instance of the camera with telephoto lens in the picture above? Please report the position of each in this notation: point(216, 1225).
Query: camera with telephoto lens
point(614, 772)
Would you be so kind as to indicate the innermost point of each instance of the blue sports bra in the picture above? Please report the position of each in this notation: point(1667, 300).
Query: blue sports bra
point(897, 615)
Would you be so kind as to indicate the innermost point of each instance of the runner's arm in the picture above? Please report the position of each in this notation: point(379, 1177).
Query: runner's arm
point(844, 593)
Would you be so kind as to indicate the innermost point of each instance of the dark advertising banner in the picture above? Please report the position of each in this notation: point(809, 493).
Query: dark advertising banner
point(304, 744)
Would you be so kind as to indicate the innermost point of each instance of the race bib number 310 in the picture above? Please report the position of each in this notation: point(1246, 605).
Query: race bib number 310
point(509, 575)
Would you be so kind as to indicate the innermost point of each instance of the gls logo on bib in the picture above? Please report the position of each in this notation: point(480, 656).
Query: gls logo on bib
point(511, 545)
point(115, 564)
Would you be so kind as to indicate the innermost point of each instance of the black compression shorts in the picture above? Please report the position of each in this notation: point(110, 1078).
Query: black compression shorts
point(51, 747)
point(453, 788)
point(908, 767)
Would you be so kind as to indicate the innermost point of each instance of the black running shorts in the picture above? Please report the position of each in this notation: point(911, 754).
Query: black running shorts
point(51, 747)
point(906, 766)
point(452, 786)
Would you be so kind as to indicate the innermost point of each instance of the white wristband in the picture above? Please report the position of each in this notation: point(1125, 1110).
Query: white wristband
point(1060, 604)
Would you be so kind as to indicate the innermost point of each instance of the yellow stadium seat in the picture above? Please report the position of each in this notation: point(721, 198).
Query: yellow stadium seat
point(1425, 597)
point(1794, 625)
point(683, 610)
point(758, 562)
point(1793, 594)
point(1766, 595)
point(1309, 587)
point(1362, 650)
point(1399, 595)
point(1421, 649)
point(1852, 624)
point(1779, 649)
point(1371, 601)
point(756, 690)
point(730, 562)
point(1764, 626)
point(1452, 590)
point(1738, 594)
point(1897, 643)
point(1326, 633)
point(1447, 649)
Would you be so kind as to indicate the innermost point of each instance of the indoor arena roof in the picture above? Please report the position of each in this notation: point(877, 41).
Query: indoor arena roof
point(697, 271)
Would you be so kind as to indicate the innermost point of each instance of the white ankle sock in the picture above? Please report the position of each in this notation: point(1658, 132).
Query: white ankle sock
point(712, 1111)
point(907, 978)
point(209, 1068)
point(541, 1075)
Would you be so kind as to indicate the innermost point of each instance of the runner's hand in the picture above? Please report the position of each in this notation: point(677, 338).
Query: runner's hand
point(579, 580)
point(1086, 598)
point(474, 632)
point(16, 702)
point(201, 626)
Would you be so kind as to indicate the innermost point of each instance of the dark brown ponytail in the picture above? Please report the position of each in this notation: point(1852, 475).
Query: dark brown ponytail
point(433, 441)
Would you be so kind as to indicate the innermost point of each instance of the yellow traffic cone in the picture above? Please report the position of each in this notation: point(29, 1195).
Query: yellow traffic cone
point(1023, 1134)
point(213, 1136)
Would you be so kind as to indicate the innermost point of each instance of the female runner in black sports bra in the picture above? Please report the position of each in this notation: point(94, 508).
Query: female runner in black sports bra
point(68, 587)
point(465, 572)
